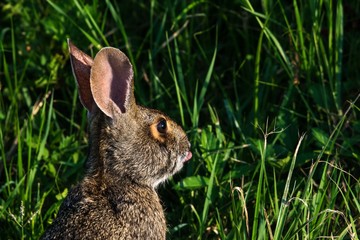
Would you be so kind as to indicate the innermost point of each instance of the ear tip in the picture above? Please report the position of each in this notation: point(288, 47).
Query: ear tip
point(71, 46)
point(114, 51)
point(116, 57)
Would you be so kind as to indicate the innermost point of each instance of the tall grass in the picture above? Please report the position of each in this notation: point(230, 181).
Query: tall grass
point(268, 92)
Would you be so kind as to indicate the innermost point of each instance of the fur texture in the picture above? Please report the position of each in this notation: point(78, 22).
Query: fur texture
point(132, 150)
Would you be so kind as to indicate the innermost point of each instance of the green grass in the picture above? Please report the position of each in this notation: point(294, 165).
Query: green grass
point(268, 92)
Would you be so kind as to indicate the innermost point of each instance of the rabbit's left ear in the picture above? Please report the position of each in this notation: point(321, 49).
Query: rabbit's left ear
point(81, 67)
point(111, 82)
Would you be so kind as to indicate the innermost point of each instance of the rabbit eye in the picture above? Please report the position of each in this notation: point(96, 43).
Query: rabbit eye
point(162, 126)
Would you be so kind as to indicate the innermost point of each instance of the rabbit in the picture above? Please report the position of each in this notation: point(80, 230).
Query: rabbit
point(132, 149)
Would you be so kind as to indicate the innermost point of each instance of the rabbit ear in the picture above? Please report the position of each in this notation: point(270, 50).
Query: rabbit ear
point(112, 81)
point(81, 67)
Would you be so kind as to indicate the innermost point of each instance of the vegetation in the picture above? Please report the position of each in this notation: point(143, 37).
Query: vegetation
point(268, 92)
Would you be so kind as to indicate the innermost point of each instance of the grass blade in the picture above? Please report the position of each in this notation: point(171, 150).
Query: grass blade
point(282, 216)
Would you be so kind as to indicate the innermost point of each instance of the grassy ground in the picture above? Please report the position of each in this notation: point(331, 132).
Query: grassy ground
point(267, 91)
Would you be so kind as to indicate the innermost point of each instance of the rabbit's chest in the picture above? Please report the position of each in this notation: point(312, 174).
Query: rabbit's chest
point(139, 216)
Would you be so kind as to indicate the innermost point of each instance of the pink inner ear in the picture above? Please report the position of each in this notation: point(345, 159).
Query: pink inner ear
point(111, 77)
point(120, 84)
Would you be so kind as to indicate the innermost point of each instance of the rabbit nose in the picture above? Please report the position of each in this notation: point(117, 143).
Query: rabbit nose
point(188, 156)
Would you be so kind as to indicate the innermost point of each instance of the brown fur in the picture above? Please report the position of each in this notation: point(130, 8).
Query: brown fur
point(127, 160)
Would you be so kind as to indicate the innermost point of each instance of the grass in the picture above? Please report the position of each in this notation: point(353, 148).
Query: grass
point(268, 92)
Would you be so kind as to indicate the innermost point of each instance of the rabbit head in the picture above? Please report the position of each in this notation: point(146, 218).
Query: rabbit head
point(127, 141)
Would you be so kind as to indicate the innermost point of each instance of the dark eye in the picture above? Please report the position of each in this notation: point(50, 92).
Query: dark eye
point(162, 126)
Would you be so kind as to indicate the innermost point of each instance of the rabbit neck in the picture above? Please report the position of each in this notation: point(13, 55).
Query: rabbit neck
point(108, 157)
point(94, 163)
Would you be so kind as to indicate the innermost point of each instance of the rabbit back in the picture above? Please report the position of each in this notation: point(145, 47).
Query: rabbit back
point(132, 212)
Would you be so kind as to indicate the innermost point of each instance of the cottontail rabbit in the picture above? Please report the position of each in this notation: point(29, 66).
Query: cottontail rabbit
point(132, 150)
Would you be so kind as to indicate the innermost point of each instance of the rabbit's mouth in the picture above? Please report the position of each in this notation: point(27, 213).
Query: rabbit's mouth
point(180, 161)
